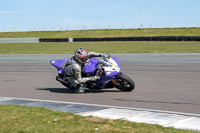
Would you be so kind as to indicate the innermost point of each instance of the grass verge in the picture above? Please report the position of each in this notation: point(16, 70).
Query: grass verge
point(105, 33)
point(15, 118)
point(109, 47)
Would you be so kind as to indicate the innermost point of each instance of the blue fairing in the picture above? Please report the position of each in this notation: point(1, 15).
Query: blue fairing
point(90, 67)
point(115, 59)
point(111, 73)
point(58, 63)
point(102, 83)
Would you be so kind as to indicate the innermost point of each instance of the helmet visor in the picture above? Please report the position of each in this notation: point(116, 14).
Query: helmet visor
point(85, 59)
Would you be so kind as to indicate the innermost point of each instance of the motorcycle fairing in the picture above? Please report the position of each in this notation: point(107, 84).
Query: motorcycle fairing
point(110, 73)
point(90, 67)
point(102, 83)
point(59, 64)
point(115, 59)
point(113, 68)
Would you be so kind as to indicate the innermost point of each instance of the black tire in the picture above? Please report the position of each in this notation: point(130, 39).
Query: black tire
point(124, 83)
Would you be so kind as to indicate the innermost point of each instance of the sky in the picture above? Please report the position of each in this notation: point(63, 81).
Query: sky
point(34, 15)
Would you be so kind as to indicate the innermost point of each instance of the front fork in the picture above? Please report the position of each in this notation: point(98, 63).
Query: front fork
point(115, 82)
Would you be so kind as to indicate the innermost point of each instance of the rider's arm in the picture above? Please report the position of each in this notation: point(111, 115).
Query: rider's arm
point(95, 54)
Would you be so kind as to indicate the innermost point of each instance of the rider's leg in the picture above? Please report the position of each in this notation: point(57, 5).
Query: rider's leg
point(74, 84)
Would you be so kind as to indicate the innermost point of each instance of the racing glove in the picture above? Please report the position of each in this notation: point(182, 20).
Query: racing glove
point(107, 55)
point(95, 78)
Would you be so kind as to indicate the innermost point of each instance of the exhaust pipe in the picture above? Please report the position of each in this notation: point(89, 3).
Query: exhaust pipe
point(59, 79)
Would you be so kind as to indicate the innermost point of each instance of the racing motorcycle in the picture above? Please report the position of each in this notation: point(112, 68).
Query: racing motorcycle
point(107, 68)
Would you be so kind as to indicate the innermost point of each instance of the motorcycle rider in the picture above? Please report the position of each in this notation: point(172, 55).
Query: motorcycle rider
point(75, 66)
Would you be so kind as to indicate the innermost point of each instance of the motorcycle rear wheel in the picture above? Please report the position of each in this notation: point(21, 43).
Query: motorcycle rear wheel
point(124, 83)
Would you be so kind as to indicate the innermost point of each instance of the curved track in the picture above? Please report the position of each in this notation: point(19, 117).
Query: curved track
point(163, 81)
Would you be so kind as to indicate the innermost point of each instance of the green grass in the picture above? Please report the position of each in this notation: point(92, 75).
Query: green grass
point(109, 47)
point(21, 119)
point(105, 33)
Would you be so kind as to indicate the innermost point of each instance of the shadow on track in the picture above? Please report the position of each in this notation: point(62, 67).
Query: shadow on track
point(70, 91)
point(57, 90)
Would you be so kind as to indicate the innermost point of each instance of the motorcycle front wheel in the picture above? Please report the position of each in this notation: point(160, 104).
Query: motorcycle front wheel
point(123, 82)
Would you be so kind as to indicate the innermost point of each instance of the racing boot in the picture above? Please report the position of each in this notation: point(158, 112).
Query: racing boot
point(80, 89)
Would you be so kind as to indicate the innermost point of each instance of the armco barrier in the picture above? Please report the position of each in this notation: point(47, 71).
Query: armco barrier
point(156, 38)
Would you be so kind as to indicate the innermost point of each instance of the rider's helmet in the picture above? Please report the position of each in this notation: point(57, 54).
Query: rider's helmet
point(81, 55)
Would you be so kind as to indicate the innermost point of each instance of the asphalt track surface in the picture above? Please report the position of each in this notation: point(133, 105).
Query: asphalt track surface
point(168, 82)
